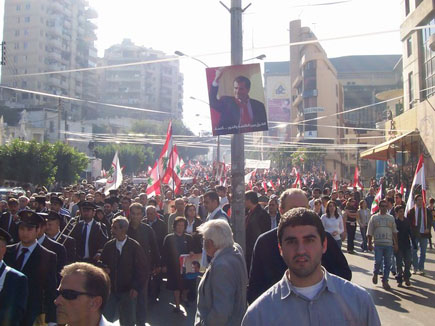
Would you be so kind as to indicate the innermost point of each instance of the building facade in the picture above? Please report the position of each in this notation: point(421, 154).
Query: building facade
point(157, 86)
point(49, 35)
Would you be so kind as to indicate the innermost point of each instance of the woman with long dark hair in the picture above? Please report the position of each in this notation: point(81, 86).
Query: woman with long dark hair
point(333, 222)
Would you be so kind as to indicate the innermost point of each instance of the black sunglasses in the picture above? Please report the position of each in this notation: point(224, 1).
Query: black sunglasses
point(72, 294)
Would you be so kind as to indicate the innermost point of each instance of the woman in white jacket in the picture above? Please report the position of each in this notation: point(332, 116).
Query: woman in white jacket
point(333, 222)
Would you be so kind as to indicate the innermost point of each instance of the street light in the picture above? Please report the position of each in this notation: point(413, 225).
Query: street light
point(258, 57)
point(181, 54)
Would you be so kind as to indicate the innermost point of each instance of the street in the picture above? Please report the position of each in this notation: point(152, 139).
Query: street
point(399, 306)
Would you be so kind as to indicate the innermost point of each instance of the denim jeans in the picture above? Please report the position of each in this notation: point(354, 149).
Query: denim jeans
point(363, 230)
point(403, 259)
point(351, 229)
point(122, 306)
point(384, 253)
point(418, 262)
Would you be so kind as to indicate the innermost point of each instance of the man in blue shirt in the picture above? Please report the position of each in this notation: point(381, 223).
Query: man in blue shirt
point(307, 294)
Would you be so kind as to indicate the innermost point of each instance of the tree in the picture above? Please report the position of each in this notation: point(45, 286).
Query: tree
point(28, 162)
point(135, 158)
point(308, 157)
point(69, 162)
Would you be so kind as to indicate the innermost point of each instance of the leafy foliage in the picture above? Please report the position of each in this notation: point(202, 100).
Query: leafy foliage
point(69, 163)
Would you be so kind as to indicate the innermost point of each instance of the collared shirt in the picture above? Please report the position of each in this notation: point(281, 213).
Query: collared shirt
point(212, 214)
point(88, 231)
point(273, 221)
point(41, 239)
point(189, 228)
point(26, 257)
point(338, 302)
point(120, 245)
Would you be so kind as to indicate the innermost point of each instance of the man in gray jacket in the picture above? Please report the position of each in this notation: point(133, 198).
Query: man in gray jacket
point(222, 290)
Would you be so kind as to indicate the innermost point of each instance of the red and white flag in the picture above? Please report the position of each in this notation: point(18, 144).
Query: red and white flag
point(402, 189)
point(271, 185)
point(376, 200)
point(165, 155)
point(335, 182)
point(153, 188)
point(356, 181)
point(419, 180)
point(298, 181)
point(278, 182)
point(114, 178)
point(264, 184)
point(293, 172)
point(174, 171)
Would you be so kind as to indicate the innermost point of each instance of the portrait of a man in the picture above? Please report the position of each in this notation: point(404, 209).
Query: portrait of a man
point(236, 113)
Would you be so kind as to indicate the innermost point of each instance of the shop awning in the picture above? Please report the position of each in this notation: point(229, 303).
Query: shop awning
point(389, 148)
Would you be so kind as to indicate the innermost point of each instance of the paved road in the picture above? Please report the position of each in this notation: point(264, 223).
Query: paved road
point(399, 306)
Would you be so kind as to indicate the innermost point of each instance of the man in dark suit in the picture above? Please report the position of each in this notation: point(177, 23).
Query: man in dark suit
point(128, 268)
point(53, 232)
point(161, 230)
point(9, 219)
point(52, 245)
point(38, 264)
point(267, 265)
point(146, 237)
point(89, 235)
point(13, 288)
point(239, 113)
point(257, 222)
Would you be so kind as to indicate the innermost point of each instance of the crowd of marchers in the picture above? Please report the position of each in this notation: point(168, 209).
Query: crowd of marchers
point(81, 257)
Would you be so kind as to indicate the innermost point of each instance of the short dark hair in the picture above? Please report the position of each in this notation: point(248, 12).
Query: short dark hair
point(317, 189)
point(390, 200)
point(179, 219)
point(382, 201)
point(245, 80)
point(97, 282)
point(399, 207)
point(251, 196)
point(399, 195)
point(212, 195)
point(416, 197)
point(298, 217)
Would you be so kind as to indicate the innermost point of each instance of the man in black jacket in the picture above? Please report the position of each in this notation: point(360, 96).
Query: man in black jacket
point(268, 266)
point(13, 288)
point(128, 270)
point(257, 222)
point(146, 237)
point(53, 232)
point(90, 237)
point(9, 219)
point(38, 264)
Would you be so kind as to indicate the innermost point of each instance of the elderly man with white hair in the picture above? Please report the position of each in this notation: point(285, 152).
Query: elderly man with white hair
point(222, 290)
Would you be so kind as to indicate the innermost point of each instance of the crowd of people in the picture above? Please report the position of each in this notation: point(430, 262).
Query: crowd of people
point(80, 257)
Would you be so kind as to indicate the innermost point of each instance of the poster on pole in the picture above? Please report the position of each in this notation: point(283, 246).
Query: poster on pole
point(236, 98)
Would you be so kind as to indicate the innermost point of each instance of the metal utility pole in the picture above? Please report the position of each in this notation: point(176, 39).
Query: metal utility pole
point(237, 140)
point(59, 115)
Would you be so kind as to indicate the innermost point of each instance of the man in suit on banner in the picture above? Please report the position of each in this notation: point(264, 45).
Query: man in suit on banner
point(238, 113)
point(13, 288)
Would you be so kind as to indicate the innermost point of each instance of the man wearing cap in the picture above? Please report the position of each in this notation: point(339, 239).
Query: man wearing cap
point(9, 219)
point(40, 202)
point(56, 205)
point(38, 264)
point(53, 231)
point(89, 235)
point(13, 288)
point(52, 245)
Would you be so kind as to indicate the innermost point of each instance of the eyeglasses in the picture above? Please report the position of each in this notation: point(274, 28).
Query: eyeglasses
point(72, 294)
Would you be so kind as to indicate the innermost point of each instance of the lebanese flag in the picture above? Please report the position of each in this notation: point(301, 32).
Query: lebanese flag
point(153, 188)
point(278, 182)
point(419, 180)
point(335, 182)
point(114, 179)
point(174, 168)
point(298, 182)
point(264, 184)
point(149, 170)
point(249, 176)
point(376, 200)
point(165, 155)
point(356, 182)
point(293, 172)
point(402, 190)
point(270, 184)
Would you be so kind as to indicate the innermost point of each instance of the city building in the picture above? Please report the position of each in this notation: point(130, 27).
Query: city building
point(157, 86)
point(316, 98)
point(412, 132)
point(49, 35)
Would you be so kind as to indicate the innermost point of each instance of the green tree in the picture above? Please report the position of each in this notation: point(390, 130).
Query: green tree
point(135, 158)
point(308, 157)
point(28, 162)
point(69, 162)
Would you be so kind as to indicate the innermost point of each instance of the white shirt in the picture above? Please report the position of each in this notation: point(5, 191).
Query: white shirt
point(26, 257)
point(332, 224)
point(212, 214)
point(311, 291)
point(87, 237)
point(120, 245)
point(223, 202)
point(41, 239)
point(189, 228)
point(273, 221)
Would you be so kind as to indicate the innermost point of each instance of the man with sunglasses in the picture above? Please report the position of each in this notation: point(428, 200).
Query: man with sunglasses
point(82, 295)
point(382, 228)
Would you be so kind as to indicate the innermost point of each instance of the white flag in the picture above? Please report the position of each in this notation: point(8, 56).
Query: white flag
point(114, 179)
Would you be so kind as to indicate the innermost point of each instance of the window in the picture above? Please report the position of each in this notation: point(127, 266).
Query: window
point(428, 65)
point(409, 46)
point(51, 127)
point(17, 32)
point(25, 45)
point(18, 7)
point(16, 46)
point(27, 6)
point(406, 7)
point(27, 19)
point(417, 3)
point(411, 90)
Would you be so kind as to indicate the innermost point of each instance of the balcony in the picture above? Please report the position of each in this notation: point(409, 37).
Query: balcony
point(54, 56)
